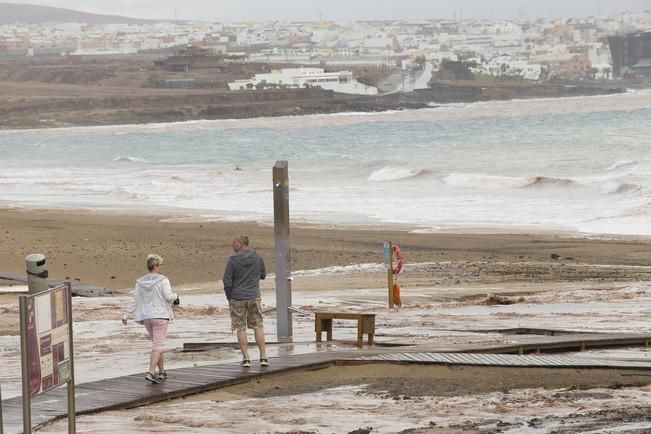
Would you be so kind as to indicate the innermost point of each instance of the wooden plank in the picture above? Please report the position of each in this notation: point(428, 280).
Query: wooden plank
point(343, 315)
point(510, 360)
point(189, 347)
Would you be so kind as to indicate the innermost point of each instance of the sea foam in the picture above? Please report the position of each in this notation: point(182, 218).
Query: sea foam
point(390, 173)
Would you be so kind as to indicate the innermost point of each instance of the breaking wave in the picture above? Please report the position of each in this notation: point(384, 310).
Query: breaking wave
point(390, 173)
point(129, 160)
point(481, 180)
point(621, 164)
point(616, 187)
point(485, 181)
point(543, 181)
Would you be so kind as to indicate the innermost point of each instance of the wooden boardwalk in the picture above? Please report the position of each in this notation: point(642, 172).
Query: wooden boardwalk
point(566, 342)
point(132, 390)
point(504, 360)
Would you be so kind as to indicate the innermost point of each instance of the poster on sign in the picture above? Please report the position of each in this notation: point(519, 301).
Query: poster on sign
point(48, 339)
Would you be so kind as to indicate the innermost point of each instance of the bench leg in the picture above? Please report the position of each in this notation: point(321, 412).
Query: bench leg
point(360, 333)
point(319, 328)
point(323, 325)
point(369, 328)
point(328, 327)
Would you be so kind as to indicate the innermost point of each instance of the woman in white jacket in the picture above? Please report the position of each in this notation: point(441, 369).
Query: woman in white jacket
point(153, 306)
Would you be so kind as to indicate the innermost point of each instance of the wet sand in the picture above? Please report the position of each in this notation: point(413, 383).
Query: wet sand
point(406, 399)
point(406, 381)
point(110, 249)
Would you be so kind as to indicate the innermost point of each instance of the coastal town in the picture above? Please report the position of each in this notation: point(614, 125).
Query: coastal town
point(104, 70)
point(528, 49)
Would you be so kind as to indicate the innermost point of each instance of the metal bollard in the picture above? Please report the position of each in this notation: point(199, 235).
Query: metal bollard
point(36, 273)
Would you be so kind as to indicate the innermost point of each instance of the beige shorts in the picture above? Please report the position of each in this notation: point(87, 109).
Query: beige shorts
point(245, 314)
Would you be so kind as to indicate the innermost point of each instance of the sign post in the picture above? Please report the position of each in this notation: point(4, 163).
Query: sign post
point(24, 362)
point(46, 348)
point(281, 243)
point(72, 410)
point(1, 422)
point(388, 264)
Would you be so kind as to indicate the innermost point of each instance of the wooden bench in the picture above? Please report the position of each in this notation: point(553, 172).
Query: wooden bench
point(365, 324)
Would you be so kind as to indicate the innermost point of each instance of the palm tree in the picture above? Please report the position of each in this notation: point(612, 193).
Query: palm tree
point(594, 72)
point(606, 72)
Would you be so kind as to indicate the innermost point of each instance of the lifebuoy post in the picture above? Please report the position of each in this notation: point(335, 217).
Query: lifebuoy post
point(388, 263)
point(391, 250)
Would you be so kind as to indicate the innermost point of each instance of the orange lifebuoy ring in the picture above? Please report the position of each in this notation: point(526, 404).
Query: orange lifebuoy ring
point(396, 294)
point(398, 257)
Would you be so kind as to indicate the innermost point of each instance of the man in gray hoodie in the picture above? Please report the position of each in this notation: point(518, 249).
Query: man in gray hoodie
point(244, 270)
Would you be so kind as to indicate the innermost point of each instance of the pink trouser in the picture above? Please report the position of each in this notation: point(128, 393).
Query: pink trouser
point(157, 331)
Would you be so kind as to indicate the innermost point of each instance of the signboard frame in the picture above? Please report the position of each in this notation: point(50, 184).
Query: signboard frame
point(47, 344)
point(388, 265)
point(1, 421)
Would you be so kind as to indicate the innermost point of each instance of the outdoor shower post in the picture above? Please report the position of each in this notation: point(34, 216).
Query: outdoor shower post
point(281, 243)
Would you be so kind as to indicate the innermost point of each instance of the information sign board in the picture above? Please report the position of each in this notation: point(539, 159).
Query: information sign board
point(48, 339)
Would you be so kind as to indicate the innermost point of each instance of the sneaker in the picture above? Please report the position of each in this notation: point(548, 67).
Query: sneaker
point(245, 363)
point(264, 363)
point(162, 375)
point(152, 378)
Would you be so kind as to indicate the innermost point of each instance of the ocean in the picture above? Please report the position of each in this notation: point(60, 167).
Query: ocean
point(569, 164)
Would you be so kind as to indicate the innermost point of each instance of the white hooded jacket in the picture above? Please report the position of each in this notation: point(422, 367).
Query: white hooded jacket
point(153, 297)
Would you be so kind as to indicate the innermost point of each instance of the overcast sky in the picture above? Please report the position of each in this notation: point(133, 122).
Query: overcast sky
point(348, 10)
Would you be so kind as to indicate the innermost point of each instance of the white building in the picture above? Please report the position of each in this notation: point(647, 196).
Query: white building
point(505, 66)
point(340, 81)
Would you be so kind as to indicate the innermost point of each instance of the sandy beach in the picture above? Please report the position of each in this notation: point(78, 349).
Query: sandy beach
point(458, 289)
point(109, 250)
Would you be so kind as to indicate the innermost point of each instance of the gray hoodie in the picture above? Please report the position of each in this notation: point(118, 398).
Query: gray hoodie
point(243, 273)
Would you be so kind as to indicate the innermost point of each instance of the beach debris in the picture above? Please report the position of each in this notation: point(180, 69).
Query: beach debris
point(366, 430)
point(493, 299)
point(557, 257)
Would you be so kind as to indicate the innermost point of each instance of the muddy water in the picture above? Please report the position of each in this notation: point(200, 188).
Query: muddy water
point(104, 348)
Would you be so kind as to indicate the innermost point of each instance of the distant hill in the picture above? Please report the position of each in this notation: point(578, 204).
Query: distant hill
point(33, 14)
